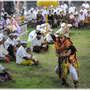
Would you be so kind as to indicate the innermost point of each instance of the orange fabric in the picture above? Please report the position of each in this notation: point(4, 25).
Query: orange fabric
point(6, 59)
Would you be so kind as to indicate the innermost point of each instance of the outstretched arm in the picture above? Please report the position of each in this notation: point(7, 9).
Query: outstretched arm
point(10, 77)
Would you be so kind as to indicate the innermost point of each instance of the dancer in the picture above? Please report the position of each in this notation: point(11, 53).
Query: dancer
point(67, 60)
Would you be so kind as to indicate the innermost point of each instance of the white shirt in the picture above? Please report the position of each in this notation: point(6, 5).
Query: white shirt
point(8, 21)
point(86, 5)
point(16, 41)
point(64, 6)
point(21, 52)
point(71, 16)
point(8, 42)
point(64, 31)
point(77, 19)
point(81, 17)
point(71, 9)
point(35, 13)
point(76, 12)
point(84, 11)
point(3, 51)
point(36, 42)
point(31, 35)
point(48, 37)
point(32, 16)
point(2, 14)
point(87, 15)
point(1, 67)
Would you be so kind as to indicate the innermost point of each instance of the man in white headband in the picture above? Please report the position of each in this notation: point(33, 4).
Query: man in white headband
point(16, 40)
point(4, 54)
point(33, 33)
point(38, 44)
point(23, 57)
point(10, 46)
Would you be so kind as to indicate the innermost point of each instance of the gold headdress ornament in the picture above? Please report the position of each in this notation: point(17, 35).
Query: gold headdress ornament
point(47, 3)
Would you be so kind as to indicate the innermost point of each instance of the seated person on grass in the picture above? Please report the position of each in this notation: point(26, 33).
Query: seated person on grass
point(33, 33)
point(87, 20)
point(17, 40)
point(24, 56)
point(5, 75)
point(4, 54)
point(49, 34)
point(38, 44)
point(10, 46)
point(81, 19)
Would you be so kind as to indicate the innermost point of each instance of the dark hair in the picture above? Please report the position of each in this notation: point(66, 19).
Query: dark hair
point(38, 33)
point(28, 49)
point(5, 16)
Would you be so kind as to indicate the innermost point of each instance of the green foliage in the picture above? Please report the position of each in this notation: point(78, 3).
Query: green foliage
point(43, 76)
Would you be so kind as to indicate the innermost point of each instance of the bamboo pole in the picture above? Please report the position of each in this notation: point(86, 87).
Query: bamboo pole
point(46, 24)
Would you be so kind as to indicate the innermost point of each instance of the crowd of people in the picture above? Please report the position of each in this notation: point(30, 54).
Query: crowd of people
point(12, 48)
point(77, 16)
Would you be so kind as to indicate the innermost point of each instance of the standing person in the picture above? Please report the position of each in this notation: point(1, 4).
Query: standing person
point(67, 60)
point(39, 18)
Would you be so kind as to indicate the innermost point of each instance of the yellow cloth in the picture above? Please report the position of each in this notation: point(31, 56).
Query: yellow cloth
point(86, 21)
point(23, 18)
point(27, 62)
point(65, 69)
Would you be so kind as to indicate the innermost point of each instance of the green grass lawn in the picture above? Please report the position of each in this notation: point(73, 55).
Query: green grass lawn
point(44, 76)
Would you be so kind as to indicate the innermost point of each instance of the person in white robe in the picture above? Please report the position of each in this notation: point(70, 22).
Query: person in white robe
point(23, 57)
point(16, 40)
point(10, 46)
point(38, 44)
point(4, 54)
point(33, 33)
